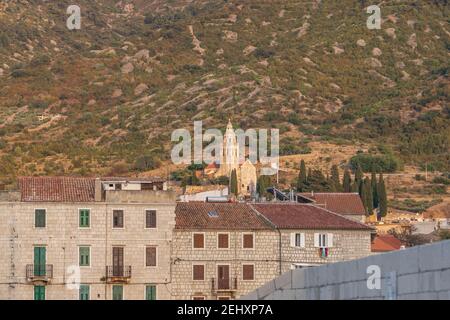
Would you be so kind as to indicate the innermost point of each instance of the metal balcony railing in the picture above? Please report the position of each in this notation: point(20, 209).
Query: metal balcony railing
point(225, 284)
point(118, 273)
point(37, 272)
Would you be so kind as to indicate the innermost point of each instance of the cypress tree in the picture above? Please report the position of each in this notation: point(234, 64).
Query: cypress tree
point(335, 181)
point(262, 184)
point(363, 196)
point(382, 197)
point(233, 183)
point(368, 195)
point(347, 182)
point(302, 178)
point(359, 176)
point(374, 184)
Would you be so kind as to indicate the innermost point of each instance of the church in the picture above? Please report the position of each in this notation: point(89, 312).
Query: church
point(246, 171)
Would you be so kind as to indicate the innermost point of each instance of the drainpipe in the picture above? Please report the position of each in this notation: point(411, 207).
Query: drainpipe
point(279, 249)
point(106, 250)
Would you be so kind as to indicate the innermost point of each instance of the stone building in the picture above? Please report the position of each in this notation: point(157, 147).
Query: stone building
point(221, 251)
point(127, 238)
point(311, 236)
point(115, 233)
point(283, 236)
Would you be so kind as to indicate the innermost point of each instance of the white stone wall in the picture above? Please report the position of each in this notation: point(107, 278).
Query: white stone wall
point(62, 237)
point(421, 272)
point(263, 256)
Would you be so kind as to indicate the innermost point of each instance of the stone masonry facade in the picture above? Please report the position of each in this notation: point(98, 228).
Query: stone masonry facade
point(262, 257)
point(62, 238)
point(272, 245)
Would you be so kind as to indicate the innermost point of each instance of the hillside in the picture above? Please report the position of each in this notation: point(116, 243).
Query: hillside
point(105, 99)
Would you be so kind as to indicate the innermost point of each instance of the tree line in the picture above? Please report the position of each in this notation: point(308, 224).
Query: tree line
point(371, 190)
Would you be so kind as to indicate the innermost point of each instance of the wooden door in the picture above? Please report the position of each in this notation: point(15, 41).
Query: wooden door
point(223, 277)
point(118, 261)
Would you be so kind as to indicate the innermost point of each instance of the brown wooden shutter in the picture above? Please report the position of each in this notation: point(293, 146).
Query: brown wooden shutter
point(199, 272)
point(199, 241)
point(223, 240)
point(150, 219)
point(248, 241)
point(248, 272)
point(150, 256)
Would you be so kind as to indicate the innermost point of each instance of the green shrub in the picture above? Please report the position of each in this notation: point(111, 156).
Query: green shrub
point(380, 163)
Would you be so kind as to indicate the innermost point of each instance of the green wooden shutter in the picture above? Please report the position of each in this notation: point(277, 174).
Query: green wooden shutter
point(150, 292)
point(84, 292)
point(39, 218)
point(84, 218)
point(39, 292)
point(39, 261)
point(84, 256)
point(117, 293)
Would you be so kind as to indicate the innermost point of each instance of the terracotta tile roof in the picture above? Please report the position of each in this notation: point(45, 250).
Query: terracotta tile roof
point(230, 216)
point(342, 203)
point(306, 216)
point(385, 243)
point(56, 189)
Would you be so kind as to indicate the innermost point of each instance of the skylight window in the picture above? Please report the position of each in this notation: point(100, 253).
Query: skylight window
point(213, 214)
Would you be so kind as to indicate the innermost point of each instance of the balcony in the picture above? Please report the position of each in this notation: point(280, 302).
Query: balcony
point(223, 285)
point(39, 273)
point(118, 274)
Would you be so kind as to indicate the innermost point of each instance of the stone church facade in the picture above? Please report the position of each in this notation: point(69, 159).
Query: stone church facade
point(230, 160)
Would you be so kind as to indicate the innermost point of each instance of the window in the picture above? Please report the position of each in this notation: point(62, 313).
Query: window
point(150, 219)
point(199, 241)
point(222, 240)
point(150, 292)
point(298, 240)
point(84, 292)
point(150, 256)
point(39, 218)
point(198, 298)
point(85, 253)
point(248, 272)
point(39, 292)
point(84, 218)
point(117, 218)
point(117, 292)
point(198, 272)
point(247, 241)
point(323, 240)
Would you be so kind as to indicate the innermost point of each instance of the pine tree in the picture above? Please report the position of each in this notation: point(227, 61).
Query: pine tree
point(233, 183)
point(368, 195)
point(347, 182)
point(374, 184)
point(382, 197)
point(335, 181)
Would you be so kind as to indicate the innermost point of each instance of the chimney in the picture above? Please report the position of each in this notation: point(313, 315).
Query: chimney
point(98, 190)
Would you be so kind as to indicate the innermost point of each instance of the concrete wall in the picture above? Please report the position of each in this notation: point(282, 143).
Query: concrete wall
point(62, 238)
point(421, 272)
